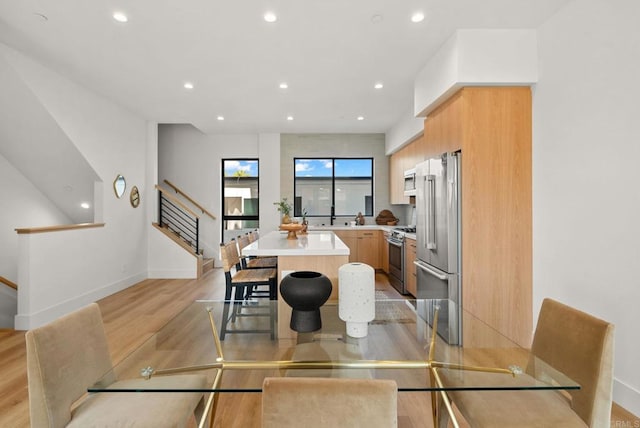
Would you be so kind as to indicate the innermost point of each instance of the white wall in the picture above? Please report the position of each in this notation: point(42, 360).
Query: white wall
point(61, 271)
point(23, 206)
point(193, 161)
point(404, 131)
point(473, 57)
point(269, 149)
point(586, 179)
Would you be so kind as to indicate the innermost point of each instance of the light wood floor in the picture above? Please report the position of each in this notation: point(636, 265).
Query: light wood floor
point(132, 315)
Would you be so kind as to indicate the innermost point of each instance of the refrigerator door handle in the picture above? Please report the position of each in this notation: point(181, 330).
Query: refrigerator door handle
point(431, 217)
point(430, 270)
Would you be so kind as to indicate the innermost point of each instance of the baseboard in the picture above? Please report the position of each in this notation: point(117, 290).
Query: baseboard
point(626, 396)
point(173, 274)
point(29, 321)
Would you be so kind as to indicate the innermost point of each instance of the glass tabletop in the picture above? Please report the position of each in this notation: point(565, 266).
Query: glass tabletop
point(400, 345)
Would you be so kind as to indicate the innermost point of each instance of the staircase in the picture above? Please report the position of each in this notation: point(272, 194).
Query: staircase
point(181, 224)
point(8, 304)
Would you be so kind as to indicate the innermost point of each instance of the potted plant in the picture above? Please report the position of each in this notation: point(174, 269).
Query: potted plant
point(285, 208)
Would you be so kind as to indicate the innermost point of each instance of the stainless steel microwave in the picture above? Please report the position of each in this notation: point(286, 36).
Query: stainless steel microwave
point(410, 182)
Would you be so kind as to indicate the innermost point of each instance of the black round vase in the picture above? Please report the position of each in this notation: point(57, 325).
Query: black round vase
point(305, 292)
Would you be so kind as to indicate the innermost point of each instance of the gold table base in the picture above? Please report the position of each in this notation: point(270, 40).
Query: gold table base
point(429, 364)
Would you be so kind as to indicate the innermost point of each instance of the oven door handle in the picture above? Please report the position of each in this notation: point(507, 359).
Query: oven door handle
point(430, 270)
point(394, 243)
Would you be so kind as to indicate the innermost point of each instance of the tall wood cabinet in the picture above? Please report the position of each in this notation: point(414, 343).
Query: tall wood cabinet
point(492, 127)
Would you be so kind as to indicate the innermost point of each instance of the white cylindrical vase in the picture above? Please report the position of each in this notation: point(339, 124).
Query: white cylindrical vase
point(356, 297)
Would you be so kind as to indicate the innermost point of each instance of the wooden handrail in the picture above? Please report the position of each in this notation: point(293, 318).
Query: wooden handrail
point(176, 201)
point(190, 199)
point(43, 229)
point(9, 283)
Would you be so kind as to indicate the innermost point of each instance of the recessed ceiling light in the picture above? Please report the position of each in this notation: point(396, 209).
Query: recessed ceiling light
point(376, 19)
point(360, 117)
point(85, 205)
point(289, 117)
point(378, 85)
point(417, 17)
point(120, 17)
point(188, 85)
point(41, 16)
point(270, 17)
point(284, 85)
point(220, 117)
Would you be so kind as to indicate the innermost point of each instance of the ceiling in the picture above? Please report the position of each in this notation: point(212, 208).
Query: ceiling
point(329, 52)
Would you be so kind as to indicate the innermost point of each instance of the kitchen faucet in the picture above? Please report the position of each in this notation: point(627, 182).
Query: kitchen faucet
point(333, 214)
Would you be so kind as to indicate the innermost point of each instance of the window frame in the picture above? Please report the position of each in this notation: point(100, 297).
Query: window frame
point(225, 217)
point(297, 210)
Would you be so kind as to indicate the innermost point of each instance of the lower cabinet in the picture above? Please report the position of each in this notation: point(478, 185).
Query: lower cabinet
point(410, 277)
point(364, 246)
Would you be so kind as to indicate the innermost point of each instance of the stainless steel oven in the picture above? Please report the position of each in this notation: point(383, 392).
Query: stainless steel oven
point(395, 241)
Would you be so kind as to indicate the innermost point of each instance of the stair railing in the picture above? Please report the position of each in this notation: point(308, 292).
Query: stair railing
point(178, 218)
point(9, 283)
point(190, 199)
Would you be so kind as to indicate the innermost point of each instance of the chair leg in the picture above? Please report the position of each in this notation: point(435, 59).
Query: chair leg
point(225, 312)
point(234, 307)
point(237, 301)
point(273, 307)
point(225, 320)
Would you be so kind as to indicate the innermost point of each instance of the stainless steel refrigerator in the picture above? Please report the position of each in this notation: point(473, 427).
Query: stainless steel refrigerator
point(438, 228)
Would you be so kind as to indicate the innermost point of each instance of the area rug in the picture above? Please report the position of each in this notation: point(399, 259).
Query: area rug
point(393, 311)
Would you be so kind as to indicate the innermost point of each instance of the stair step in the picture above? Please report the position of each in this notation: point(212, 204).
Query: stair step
point(207, 265)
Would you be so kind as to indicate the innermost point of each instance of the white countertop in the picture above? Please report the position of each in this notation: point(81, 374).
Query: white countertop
point(315, 243)
point(364, 227)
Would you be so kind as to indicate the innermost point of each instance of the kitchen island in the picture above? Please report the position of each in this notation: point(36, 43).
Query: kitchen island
point(317, 251)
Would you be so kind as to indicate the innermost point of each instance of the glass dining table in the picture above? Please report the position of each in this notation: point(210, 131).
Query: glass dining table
point(402, 344)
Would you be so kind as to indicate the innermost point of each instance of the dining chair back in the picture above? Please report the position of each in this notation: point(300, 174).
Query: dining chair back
point(70, 354)
point(575, 344)
point(580, 346)
point(329, 402)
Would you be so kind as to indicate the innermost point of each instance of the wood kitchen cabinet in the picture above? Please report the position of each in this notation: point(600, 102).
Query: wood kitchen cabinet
point(396, 179)
point(492, 127)
point(405, 158)
point(350, 239)
point(369, 248)
point(364, 246)
point(410, 277)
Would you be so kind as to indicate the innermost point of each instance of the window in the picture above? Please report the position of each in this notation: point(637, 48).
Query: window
point(345, 184)
point(240, 199)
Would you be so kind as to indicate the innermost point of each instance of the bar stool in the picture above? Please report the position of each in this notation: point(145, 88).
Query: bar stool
point(254, 263)
point(241, 285)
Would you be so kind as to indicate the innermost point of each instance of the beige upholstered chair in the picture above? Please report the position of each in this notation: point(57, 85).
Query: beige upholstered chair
point(70, 354)
point(574, 343)
point(324, 402)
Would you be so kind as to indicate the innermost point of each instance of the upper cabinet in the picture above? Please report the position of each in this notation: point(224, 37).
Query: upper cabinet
point(405, 158)
point(396, 179)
